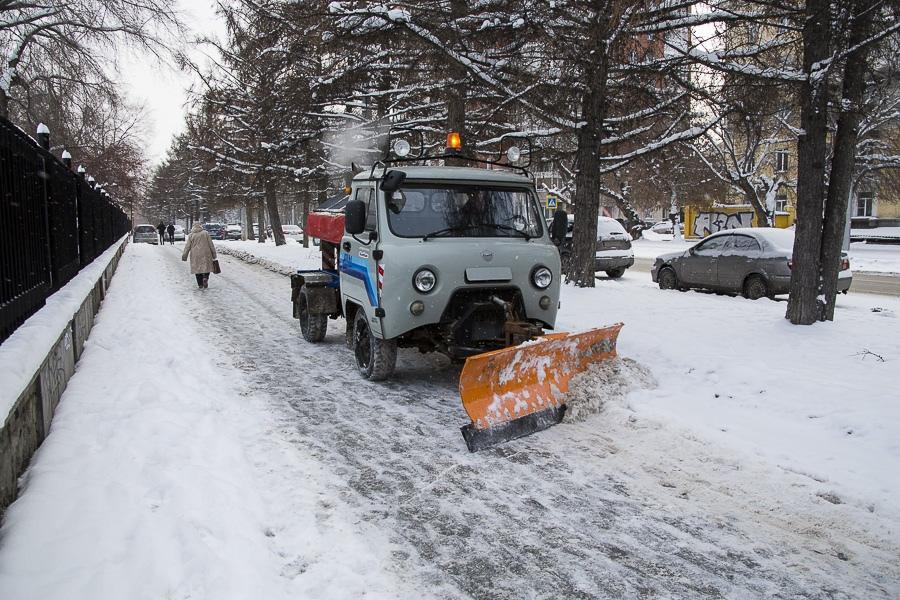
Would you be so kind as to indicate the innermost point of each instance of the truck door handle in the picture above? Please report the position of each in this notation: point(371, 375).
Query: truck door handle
point(346, 246)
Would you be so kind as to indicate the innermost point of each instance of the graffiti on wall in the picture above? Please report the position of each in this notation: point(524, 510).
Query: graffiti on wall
point(706, 223)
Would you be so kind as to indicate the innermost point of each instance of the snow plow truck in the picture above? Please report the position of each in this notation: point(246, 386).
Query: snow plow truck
point(456, 260)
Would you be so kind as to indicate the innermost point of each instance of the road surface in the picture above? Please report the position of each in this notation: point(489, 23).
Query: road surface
point(579, 511)
point(863, 283)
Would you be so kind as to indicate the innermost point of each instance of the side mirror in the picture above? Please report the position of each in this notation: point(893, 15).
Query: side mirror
point(355, 217)
point(559, 227)
point(392, 181)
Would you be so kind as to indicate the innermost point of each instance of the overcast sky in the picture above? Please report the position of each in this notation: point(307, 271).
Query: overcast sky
point(160, 87)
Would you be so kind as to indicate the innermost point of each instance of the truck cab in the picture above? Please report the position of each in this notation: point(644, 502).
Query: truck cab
point(456, 260)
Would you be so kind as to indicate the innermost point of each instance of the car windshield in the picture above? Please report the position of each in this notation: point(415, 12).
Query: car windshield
point(145, 229)
point(463, 211)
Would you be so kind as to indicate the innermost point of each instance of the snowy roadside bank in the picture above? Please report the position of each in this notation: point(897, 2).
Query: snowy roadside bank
point(22, 353)
point(809, 401)
point(166, 475)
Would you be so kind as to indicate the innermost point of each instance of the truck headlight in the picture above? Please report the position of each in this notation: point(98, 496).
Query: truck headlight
point(424, 280)
point(542, 277)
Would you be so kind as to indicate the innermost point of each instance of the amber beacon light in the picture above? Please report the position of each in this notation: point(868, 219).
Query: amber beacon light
point(454, 141)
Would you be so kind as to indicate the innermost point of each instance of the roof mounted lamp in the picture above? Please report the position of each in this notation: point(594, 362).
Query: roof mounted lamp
point(454, 142)
point(401, 148)
point(513, 154)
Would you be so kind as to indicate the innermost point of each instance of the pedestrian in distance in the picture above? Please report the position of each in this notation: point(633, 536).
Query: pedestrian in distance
point(170, 231)
point(200, 248)
point(161, 228)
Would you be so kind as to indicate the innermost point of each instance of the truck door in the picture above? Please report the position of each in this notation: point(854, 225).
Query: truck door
point(359, 269)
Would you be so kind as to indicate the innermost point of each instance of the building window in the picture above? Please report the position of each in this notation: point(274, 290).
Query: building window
point(781, 161)
point(781, 203)
point(864, 204)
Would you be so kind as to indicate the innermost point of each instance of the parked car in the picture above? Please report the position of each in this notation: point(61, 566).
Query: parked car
point(293, 232)
point(146, 234)
point(662, 227)
point(217, 231)
point(180, 234)
point(755, 262)
point(233, 231)
point(613, 253)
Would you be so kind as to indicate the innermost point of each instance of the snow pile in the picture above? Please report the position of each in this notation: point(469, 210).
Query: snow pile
point(285, 259)
point(874, 258)
point(606, 381)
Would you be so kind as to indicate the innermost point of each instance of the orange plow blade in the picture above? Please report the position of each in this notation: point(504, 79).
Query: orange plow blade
point(517, 391)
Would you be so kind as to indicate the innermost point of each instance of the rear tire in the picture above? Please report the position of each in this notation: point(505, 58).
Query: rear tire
point(755, 288)
point(312, 326)
point(615, 273)
point(667, 279)
point(375, 358)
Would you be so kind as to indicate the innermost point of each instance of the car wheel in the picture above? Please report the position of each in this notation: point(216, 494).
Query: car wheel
point(667, 279)
point(615, 273)
point(375, 358)
point(312, 326)
point(755, 288)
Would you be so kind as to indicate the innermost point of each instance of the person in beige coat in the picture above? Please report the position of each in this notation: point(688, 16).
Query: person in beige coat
point(202, 252)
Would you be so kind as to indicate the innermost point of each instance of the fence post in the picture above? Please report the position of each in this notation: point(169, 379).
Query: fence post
point(43, 136)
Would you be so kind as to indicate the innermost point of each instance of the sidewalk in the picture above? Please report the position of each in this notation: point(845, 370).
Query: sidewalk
point(165, 476)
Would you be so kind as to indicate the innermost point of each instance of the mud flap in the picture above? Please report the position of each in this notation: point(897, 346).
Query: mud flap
point(517, 391)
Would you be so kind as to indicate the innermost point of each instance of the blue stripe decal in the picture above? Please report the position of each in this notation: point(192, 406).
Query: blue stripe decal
point(359, 269)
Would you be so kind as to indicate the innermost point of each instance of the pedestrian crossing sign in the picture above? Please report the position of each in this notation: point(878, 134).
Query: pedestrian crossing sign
point(551, 201)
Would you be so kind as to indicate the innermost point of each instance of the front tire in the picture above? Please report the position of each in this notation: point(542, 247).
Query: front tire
point(312, 326)
point(755, 288)
point(667, 279)
point(375, 357)
point(615, 273)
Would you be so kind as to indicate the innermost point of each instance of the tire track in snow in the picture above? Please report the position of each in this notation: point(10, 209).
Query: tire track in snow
point(549, 516)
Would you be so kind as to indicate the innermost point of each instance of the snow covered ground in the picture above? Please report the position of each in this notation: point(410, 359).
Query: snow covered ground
point(204, 450)
point(864, 258)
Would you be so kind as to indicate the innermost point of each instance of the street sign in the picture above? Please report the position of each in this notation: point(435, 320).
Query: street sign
point(551, 201)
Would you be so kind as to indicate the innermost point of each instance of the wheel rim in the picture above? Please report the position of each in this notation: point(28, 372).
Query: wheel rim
point(668, 279)
point(362, 345)
point(756, 289)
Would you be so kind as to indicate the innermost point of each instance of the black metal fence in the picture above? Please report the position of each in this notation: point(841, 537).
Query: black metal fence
point(52, 223)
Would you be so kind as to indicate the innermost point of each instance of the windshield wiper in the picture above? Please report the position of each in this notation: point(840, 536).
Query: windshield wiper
point(439, 232)
point(500, 227)
point(461, 228)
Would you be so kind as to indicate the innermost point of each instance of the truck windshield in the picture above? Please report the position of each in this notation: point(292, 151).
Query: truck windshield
point(463, 211)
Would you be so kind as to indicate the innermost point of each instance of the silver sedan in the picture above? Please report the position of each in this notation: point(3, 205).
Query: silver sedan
point(755, 262)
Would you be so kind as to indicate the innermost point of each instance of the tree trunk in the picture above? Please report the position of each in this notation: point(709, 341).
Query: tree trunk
point(587, 172)
point(4, 105)
point(305, 199)
point(274, 217)
point(803, 304)
point(762, 215)
point(247, 233)
point(844, 156)
point(260, 221)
